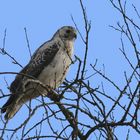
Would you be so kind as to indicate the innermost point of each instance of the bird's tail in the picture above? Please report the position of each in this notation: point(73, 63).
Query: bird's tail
point(10, 107)
point(11, 111)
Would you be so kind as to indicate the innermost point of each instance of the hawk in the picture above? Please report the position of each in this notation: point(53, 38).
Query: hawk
point(49, 65)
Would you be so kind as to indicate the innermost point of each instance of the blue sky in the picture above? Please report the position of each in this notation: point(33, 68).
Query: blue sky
point(42, 18)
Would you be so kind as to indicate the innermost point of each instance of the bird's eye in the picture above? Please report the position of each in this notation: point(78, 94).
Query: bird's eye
point(68, 31)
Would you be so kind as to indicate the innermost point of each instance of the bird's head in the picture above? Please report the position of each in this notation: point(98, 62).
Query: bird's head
point(66, 33)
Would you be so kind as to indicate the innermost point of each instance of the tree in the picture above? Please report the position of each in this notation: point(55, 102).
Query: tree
point(88, 102)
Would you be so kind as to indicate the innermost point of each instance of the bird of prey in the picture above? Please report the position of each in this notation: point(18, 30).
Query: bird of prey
point(49, 65)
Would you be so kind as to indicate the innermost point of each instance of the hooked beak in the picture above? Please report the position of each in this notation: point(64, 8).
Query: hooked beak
point(75, 35)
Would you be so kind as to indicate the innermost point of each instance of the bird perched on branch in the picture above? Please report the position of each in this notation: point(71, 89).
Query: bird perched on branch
point(48, 65)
